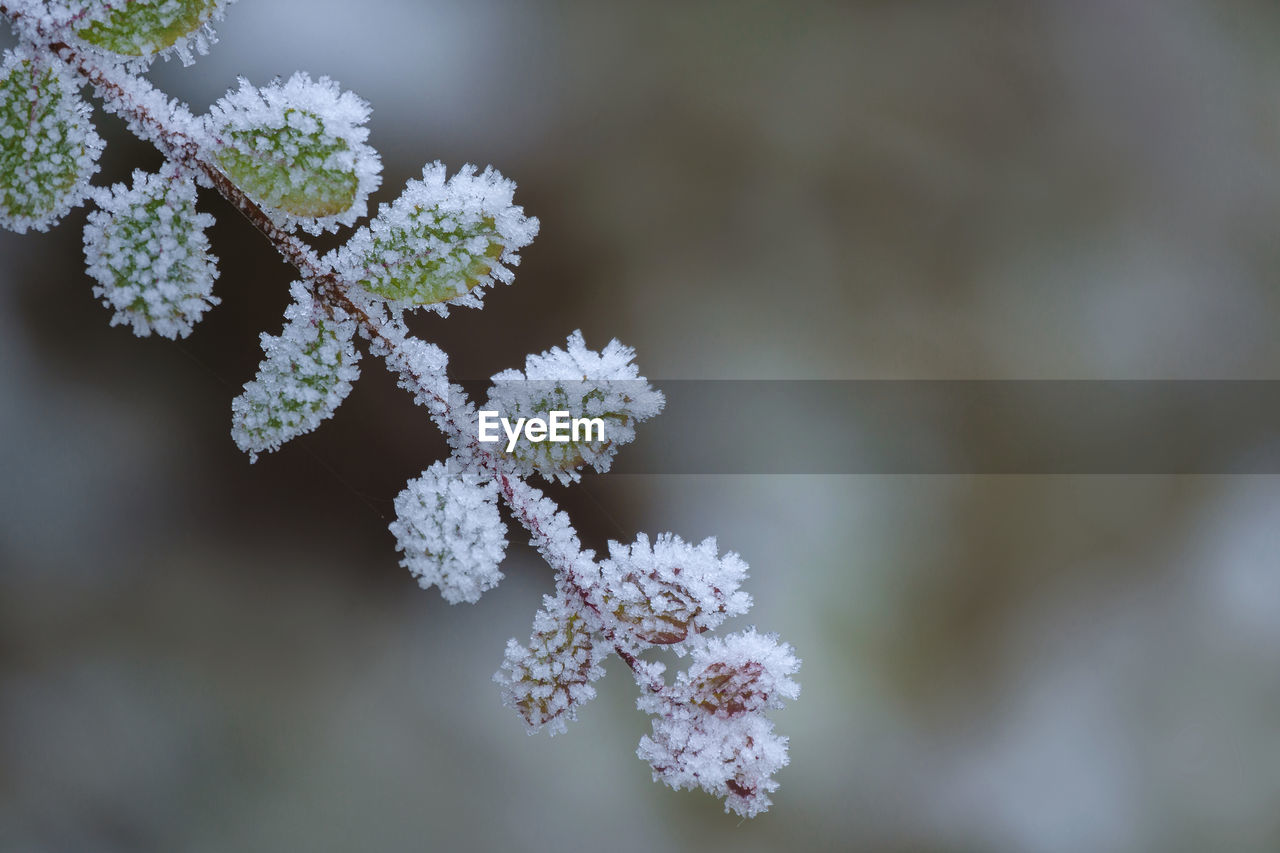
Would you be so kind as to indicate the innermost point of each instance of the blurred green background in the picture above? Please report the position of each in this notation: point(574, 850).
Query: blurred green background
point(201, 655)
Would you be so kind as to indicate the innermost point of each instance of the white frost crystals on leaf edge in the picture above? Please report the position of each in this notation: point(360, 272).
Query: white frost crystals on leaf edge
point(775, 663)
point(74, 15)
point(589, 384)
point(711, 731)
point(343, 114)
point(466, 197)
point(548, 680)
point(731, 753)
point(158, 276)
point(448, 526)
point(303, 378)
point(666, 592)
point(577, 361)
point(729, 757)
point(75, 116)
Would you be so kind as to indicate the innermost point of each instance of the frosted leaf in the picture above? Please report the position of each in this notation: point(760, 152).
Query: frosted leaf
point(442, 241)
point(734, 758)
point(149, 254)
point(144, 28)
point(547, 681)
point(742, 672)
point(298, 149)
point(709, 730)
point(665, 593)
point(449, 529)
point(588, 385)
point(306, 374)
point(48, 147)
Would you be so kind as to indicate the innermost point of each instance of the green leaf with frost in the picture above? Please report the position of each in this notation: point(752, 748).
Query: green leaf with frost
point(602, 387)
point(145, 27)
point(464, 258)
point(148, 252)
point(441, 242)
point(298, 149)
point(48, 147)
point(306, 373)
point(258, 161)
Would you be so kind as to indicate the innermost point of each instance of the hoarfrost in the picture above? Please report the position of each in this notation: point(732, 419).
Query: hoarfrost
point(148, 252)
point(298, 148)
point(710, 731)
point(587, 385)
point(667, 592)
point(441, 242)
point(547, 681)
point(306, 374)
point(448, 527)
point(48, 147)
point(142, 29)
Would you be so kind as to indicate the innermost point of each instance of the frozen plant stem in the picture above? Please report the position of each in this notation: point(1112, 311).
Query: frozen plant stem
point(293, 156)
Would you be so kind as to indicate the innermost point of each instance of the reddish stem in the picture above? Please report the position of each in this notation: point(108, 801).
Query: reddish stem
point(125, 94)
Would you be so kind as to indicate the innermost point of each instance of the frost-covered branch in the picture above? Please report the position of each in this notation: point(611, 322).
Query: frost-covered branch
point(293, 156)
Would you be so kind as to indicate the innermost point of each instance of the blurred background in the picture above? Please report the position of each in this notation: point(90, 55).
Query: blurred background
point(198, 654)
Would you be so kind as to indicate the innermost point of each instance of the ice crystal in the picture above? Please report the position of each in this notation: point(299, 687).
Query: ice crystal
point(556, 539)
point(442, 241)
point(145, 110)
point(710, 731)
point(664, 593)
point(148, 252)
point(547, 681)
point(448, 527)
point(48, 147)
point(298, 148)
point(586, 384)
point(306, 374)
point(746, 671)
point(291, 155)
point(145, 28)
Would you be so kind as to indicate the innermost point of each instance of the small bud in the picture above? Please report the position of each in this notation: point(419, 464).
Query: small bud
point(449, 529)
